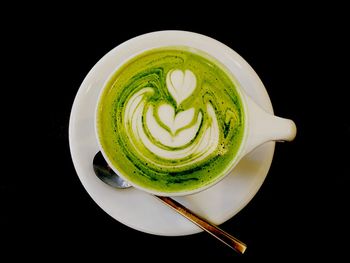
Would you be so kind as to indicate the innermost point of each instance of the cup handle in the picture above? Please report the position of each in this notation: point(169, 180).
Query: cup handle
point(264, 127)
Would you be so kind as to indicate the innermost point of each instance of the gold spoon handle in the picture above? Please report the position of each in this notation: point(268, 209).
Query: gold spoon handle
point(213, 230)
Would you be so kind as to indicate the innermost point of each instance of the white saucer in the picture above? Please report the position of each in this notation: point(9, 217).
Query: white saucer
point(140, 210)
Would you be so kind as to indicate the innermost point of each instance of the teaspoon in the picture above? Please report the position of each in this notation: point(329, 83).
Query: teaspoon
point(108, 176)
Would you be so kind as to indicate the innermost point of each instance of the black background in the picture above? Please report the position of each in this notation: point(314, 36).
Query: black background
point(299, 212)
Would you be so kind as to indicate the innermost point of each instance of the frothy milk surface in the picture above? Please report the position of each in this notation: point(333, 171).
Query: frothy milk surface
point(171, 120)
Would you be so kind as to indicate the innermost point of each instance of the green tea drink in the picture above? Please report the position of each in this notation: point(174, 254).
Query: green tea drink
point(171, 120)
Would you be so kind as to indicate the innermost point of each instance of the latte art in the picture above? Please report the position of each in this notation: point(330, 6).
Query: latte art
point(170, 120)
point(178, 137)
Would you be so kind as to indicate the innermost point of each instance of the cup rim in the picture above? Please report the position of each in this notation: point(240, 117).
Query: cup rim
point(178, 36)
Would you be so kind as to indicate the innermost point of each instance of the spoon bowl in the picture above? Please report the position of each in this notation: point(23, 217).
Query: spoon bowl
point(106, 174)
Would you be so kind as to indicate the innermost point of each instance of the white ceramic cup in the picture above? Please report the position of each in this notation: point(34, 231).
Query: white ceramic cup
point(260, 126)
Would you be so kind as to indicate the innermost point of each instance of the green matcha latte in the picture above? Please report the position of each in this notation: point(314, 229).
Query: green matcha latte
point(171, 120)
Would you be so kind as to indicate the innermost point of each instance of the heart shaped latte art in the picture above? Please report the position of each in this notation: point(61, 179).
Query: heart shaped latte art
point(180, 84)
point(166, 114)
point(178, 131)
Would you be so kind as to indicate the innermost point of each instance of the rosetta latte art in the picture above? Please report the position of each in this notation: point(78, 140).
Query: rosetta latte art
point(175, 134)
point(170, 120)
